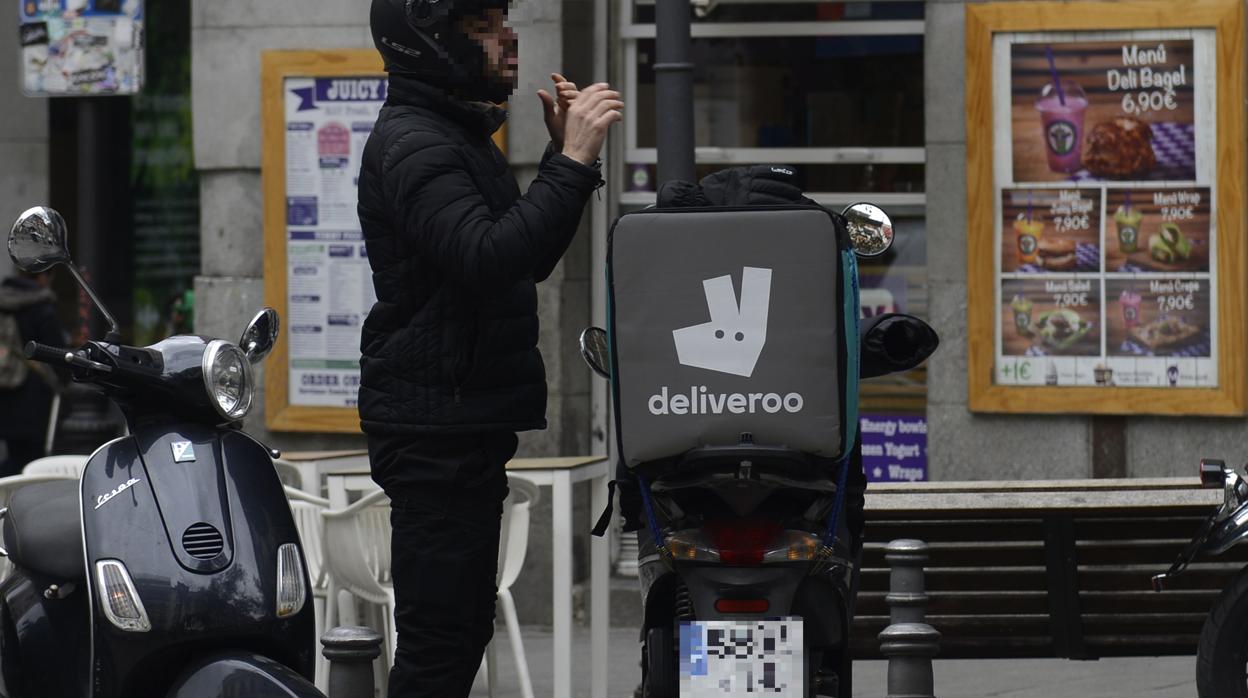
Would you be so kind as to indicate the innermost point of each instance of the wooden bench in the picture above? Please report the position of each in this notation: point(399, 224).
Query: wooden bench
point(1056, 568)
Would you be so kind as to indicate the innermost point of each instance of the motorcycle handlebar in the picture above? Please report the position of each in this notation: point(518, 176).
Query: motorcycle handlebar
point(49, 355)
point(55, 355)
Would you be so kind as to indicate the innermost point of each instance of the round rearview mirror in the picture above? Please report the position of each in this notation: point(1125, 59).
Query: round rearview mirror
point(595, 351)
point(260, 336)
point(870, 229)
point(37, 240)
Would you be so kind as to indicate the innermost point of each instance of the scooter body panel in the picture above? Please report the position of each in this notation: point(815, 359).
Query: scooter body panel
point(34, 624)
point(138, 502)
point(235, 674)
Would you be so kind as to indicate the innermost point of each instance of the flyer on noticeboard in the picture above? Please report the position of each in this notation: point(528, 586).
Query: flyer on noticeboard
point(81, 47)
point(329, 288)
point(1106, 271)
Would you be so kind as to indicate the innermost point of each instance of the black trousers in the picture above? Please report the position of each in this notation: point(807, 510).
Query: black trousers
point(444, 558)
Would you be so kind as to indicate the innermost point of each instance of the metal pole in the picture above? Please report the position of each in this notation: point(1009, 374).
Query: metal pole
point(351, 651)
point(909, 643)
point(673, 76)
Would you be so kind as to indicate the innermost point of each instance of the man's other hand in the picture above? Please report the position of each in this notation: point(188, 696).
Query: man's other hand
point(555, 109)
point(589, 114)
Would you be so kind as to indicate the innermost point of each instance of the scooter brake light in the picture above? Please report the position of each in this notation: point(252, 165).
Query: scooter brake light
point(743, 542)
point(118, 598)
point(291, 593)
point(1212, 473)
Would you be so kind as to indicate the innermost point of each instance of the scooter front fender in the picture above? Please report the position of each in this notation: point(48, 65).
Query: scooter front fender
point(234, 674)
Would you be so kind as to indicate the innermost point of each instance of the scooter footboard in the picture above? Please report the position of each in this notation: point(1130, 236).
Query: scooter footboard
point(237, 674)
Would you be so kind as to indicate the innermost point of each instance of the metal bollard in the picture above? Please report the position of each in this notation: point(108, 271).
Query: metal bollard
point(908, 642)
point(351, 651)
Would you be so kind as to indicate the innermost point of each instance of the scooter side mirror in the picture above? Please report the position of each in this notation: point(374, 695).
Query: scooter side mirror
point(37, 241)
point(595, 351)
point(261, 335)
point(895, 343)
point(870, 229)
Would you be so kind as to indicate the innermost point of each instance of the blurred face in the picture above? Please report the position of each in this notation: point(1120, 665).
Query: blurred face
point(497, 40)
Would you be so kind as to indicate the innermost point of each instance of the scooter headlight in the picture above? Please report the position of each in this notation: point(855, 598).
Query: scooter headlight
point(227, 376)
point(118, 598)
point(290, 590)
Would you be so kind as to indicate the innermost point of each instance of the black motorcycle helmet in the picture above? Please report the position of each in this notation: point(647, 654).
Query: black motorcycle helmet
point(419, 38)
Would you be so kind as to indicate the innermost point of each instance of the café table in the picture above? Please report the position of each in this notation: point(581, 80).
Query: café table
point(347, 472)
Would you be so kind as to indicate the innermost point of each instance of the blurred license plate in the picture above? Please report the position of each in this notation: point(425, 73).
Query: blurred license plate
point(734, 658)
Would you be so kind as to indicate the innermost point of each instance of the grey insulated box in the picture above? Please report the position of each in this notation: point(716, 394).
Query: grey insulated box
point(724, 322)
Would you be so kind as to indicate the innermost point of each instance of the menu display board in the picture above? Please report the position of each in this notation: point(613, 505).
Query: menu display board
point(329, 286)
point(1114, 227)
point(81, 47)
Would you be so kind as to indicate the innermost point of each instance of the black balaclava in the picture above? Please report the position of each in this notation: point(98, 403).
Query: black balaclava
point(420, 39)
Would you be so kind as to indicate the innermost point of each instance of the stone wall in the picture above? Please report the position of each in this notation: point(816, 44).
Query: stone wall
point(963, 445)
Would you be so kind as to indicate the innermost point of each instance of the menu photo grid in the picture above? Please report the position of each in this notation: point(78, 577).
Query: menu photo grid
point(1106, 287)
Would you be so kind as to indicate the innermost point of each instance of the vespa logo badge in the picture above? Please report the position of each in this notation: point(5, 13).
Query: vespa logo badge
point(106, 498)
point(733, 340)
point(183, 452)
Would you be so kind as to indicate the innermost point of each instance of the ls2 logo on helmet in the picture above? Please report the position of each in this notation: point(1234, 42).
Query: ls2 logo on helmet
point(731, 343)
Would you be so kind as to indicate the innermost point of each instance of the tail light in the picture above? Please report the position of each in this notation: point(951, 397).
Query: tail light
point(119, 600)
point(744, 542)
point(291, 593)
point(1212, 473)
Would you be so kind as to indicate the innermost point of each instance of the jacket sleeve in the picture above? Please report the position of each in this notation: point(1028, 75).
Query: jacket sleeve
point(551, 260)
point(445, 218)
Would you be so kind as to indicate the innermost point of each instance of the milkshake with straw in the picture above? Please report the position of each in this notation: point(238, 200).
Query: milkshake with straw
point(1128, 221)
point(1061, 105)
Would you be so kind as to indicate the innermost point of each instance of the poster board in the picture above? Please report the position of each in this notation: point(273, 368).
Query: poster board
point(318, 108)
point(1106, 217)
point(81, 48)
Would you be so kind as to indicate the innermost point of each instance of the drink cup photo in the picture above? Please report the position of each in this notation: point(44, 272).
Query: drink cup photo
point(1061, 118)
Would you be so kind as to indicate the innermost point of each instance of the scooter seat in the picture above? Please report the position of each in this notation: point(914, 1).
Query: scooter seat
point(43, 531)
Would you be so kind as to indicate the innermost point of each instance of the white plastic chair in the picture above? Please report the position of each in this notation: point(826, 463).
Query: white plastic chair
point(357, 560)
point(8, 485)
point(308, 512)
point(513, 543)
point(65, 466)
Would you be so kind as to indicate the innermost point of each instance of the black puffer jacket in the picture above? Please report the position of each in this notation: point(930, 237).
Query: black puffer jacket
point(456, 251)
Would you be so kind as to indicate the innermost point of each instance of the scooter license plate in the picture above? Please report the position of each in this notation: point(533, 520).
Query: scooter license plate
point(738, 658)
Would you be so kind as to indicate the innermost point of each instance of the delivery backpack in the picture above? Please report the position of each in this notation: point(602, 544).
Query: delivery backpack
point(732, 326)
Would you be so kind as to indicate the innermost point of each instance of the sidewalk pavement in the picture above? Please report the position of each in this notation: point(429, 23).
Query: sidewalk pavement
point(1143, 677)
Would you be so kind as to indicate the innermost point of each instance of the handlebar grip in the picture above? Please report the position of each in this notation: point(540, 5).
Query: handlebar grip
point(42, 352)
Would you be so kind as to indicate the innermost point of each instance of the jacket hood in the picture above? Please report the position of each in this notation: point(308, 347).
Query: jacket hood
point(476, 117)
point(17, 294)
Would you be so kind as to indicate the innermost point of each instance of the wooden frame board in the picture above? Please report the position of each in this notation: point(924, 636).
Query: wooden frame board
point(983, 21)
point(276, 67)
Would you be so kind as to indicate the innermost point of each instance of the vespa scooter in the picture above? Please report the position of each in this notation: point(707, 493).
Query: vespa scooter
point(746, 553)
point(173, 567)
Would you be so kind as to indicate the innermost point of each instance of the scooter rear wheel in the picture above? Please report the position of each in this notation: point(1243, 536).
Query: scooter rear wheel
point(1222, 656)
point(659, 655)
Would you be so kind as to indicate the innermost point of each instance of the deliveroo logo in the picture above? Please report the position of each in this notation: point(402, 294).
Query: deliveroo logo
point(733, 340)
